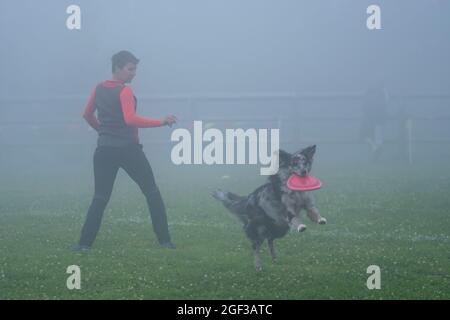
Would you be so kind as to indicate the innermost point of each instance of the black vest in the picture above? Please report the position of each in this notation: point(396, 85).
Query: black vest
point(113, 130)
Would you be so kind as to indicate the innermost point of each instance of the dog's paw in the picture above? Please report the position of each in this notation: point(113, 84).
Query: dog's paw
point(322, 221)
point(301, 228)
point(258, 268)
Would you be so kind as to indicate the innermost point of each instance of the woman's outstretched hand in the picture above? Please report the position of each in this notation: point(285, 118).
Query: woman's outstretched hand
point(169, 120)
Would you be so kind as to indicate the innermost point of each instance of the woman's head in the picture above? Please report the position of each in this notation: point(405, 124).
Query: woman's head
point(124, 66)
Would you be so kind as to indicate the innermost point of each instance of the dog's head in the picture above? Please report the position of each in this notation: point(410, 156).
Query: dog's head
point(299, 162)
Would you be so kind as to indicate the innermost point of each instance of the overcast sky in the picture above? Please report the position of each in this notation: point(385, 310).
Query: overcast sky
point(226, 46)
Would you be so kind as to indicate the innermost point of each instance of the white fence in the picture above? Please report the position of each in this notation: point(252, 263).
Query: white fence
point(332, 118)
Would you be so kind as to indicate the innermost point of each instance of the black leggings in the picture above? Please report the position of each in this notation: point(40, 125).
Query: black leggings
point(107, 161)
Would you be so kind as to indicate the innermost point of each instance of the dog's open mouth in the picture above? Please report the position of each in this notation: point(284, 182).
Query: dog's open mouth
point(306, 183)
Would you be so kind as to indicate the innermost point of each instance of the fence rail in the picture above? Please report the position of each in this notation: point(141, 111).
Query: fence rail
point(298, 114)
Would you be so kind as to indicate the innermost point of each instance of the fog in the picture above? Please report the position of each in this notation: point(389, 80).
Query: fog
point(372, 92)
point(300, 66)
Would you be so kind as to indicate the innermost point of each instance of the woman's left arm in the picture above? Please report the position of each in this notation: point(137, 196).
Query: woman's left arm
point(129, 114)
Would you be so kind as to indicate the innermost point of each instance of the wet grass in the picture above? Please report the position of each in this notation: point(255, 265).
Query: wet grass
point(396, 218)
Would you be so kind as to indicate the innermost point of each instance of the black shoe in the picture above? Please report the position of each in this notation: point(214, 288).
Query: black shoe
point(168, 245)
point(80, 248)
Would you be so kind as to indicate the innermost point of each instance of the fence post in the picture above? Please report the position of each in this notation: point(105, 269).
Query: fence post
point(409, 125)
point(295, 130)
point(192, 106)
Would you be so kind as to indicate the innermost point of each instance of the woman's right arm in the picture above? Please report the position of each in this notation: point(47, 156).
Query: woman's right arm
point(89, 112)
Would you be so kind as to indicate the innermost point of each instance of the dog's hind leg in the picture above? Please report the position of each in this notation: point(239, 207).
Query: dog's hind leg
point(314, 215)
point(273, 254)
point(256, 252)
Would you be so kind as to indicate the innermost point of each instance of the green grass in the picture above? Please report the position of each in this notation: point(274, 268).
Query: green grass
point(397, 218)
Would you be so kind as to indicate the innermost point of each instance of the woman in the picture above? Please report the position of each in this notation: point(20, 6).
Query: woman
point(118, 147)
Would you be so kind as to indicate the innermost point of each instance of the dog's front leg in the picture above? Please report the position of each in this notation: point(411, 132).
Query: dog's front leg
point(291, 214)
point(314, 215)
point(296, 224)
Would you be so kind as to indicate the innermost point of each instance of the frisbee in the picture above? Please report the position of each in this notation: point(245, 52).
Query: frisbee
point(298, 183)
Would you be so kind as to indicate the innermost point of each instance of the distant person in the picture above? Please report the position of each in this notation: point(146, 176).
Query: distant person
point(374, 118)
point(404, 133)
point(118, 147)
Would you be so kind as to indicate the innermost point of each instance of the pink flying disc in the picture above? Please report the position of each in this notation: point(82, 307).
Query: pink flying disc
point(298, 183)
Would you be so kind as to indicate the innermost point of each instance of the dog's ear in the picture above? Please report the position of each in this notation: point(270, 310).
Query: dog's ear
point(284, 158)
point(308, 152)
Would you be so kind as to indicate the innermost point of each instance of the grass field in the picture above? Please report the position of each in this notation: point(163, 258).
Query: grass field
point(396, 217)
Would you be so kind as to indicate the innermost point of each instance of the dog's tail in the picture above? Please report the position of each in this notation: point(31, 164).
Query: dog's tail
point(226, 197)
point(234, 203)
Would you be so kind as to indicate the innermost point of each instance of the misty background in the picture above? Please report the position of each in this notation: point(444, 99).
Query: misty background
point(301, 66)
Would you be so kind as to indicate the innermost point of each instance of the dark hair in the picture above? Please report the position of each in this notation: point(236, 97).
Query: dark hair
point(120, 59)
